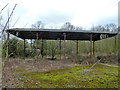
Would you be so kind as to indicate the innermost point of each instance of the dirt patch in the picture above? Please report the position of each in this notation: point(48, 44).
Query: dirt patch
point(110, 65)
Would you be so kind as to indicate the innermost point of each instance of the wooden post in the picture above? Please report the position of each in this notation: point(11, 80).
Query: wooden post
point(42, 48)
point(7, 54)
point(90, 45)
point(31, 44)
point(64, 43)
point(37, 47)
point(60, 48)
point(77, 48)
point(93, 48)
point(24, 48)
point(17, 48)
point(115, 42)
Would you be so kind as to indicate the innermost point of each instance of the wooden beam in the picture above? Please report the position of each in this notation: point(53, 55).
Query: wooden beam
point(115, 42)
point(42, 48)
point(90, 45)
point(7, 54)
point(77, 48)
point(64, 34)
point(24, 48)
point(37, 46)
point(93, 48)
point(31, 44)
point(60, 48)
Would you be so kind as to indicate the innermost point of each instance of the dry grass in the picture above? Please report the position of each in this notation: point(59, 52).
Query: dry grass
point(31, 66)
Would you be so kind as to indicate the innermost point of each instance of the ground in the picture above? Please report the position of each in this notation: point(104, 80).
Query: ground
point(58, 74)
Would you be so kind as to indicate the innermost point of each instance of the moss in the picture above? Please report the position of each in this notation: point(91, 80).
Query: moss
point(101, 77)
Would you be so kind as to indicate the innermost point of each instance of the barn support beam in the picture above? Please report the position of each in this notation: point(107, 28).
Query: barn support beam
point(7, 54)
point(60, 48)
point(93, 48)
point(31, 44)
point(24, 48)
point(77, 48)
point(90, 45)
point(64, 34)
point(42, 48)
point(37, 46)
point(115, 42)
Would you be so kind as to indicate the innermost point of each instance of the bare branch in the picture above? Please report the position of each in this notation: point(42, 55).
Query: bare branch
point(3, 8)
point(9, 18)
point(16, 22)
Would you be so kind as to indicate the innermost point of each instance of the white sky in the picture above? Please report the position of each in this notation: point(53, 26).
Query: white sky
point(54, 13)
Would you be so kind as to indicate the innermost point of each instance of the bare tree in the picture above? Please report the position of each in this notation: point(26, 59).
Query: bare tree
point(2, 33)
point(78, 28)
point(108, 27)
point(38, 25)
point(68, 26)
point(111, 27)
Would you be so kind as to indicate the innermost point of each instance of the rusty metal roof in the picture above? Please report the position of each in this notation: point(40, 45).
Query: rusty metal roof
point(54, 34)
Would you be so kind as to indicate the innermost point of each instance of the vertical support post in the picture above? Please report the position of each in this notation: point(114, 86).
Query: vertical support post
point(42, 48)
point(93, 48)
point(24, 48)
point(77, 48)
point(7, 54)
point(64, 43)
point(31, 44)
point(17, 48)
point(37, 47)
point(115, 42)
point(31, 50)
point(90, 45)
point(49, 49)
point(60, 48)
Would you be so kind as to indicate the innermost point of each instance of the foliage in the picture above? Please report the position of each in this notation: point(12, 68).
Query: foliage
point(16, 48)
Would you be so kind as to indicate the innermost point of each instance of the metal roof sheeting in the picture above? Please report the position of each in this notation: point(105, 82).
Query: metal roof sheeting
point(54, 34)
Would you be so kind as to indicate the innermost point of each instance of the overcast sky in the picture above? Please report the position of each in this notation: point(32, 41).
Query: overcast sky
point(54, 13)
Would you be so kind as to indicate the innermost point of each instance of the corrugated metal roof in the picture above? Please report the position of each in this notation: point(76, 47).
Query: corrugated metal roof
point(54, 34)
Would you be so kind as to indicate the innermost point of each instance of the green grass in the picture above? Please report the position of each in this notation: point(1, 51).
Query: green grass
point(101, 77)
